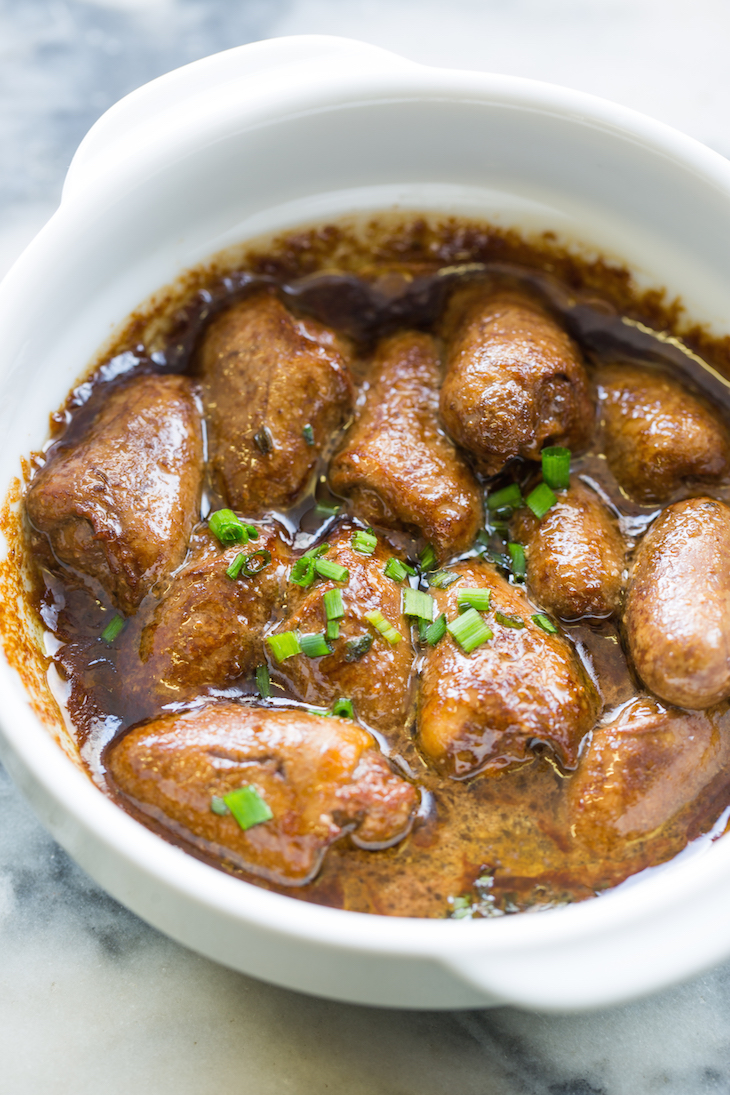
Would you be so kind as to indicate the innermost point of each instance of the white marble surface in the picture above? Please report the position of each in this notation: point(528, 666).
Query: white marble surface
point(91, 999)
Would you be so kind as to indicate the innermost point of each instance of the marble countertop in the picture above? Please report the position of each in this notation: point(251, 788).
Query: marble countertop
point(92, 999)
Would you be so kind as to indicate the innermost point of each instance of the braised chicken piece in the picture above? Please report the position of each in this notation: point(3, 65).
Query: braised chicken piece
point(119, 503)
point(657, 434)
point(207, 628)
point(575, 555)
point(306, 781)
point(364, 667)
point(482, 711)
point(396, 464)
point(515, 381)
point(275, 388)
point(677, 615)
point(648, 781)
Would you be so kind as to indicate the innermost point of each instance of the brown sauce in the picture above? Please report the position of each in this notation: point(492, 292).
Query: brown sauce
point(492, 845)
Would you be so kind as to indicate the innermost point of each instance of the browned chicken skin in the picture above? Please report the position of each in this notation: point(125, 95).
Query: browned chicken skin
point(646, 768)
point(120, 503)
point(677, 615)
point(379, 682)
point(575, 555)
point(320, 778)
point(266, 376)
point(396, 463)
point(207, 629)
point(481, 711)
point(515, 381)
point(657, 434)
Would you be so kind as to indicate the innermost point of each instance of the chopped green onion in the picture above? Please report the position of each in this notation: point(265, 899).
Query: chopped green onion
point(498, 559)
point(263, 681)
point(248, 807)
point(251, 568)
point(482, 537)
point(227, 528)
point(315, 552)
point(540, 500)
point(264, 440)
point(236, 566)
point(423, 626)
point(469, 630)
point(509, 621)
point(253, 532)
point(418, 603)
point(333, 606)
point(397, 570)
point(333, 629)
point(112, 629)
point(442, 579)
point(556, 467)
point(545, 623)
point(302, 573)
point(322, 509)
point(327, 569)
point(501, 516)
point(358, 648)
point(508, 496)
point(386, 629)
point(436, 631)
point(308, 434)
point(469, 597)
point(427, 558)
point(342, 708)
point(284, 645)
point(364, 542)
point(218, 806)
point(314, 646)
point(517, 557)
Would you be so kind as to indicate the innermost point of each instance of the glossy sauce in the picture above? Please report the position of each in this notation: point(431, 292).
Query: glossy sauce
point(484, 847)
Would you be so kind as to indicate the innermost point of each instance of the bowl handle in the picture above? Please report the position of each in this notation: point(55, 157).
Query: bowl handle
point(313, 52)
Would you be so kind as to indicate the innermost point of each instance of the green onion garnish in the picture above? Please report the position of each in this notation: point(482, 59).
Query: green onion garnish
point(427, 558)
point(284, 645)
point(333, 606)
point(333, 629)
point(436, 631)
point(508, 496)
point(364, 541)
point(498, 559)
point(253, 532)
point(314, 646)
point(302, 573)
point(322, 509)
point(248, 807)
point(264, 440)
point(556, 467)
point(308, 434)
point(236, 566)
point(342, 709)
point(263, 681)
point(469, 597)
point(251, 567)
point(218, 806)
point(417, 603)
point(315, 552)
point(509, 621)
point(517, 558)
point(327, 569)
point(545, 623)
point(397, 570)
point(442, 579)
point(227, 528)
point(112, 629)
point(540, 500)
point(357, 648)
point(469, 630)
point(379, 622)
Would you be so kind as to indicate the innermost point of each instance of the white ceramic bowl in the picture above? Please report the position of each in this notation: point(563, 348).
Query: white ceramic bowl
point(269, 136)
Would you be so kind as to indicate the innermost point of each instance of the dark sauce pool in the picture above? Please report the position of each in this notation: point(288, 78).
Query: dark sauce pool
point(491, 846)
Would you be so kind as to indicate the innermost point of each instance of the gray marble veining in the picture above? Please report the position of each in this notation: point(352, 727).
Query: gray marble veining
point(93, 1000)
